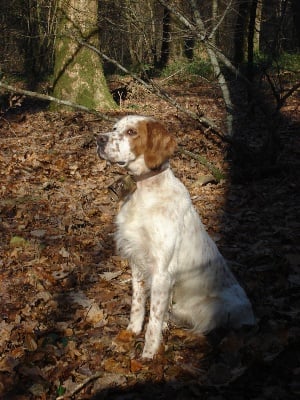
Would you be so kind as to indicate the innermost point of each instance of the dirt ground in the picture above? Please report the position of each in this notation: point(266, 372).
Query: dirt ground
point(65, 294)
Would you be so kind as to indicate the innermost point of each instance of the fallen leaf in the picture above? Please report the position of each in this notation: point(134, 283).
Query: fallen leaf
point(115, 366)
point(30, 343)
point(8, 363)
point(38, 390)
point(18, 241)
point(38, 233)
point(125, 336)
point(109, 380)
point(108, 276)
point(135, 365)
point(64, 253)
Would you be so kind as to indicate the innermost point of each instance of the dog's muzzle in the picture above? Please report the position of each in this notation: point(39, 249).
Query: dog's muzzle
point(101, 141)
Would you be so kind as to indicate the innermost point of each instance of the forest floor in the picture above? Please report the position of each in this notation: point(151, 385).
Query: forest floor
point(65, 294)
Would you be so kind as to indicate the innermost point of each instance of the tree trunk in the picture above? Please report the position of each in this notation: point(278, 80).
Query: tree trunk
point(256, 39)
point(78, 73)
point(165, 46)
point(296, 17)
point(251, 35)
point(240, 32)
point(216, 67)
point(214, 15)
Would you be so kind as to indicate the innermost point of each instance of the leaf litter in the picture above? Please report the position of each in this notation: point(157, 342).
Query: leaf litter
point(66, 294)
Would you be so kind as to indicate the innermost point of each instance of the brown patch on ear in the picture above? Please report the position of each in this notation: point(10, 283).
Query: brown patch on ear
point(160, 145)
point(139, 142)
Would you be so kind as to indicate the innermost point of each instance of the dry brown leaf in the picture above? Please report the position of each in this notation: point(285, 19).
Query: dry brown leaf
point(53, 194)
point(125, 336)
point(115, 366)
point(136, 366)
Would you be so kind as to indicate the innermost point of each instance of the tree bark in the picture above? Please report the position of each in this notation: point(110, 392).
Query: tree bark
point(78, 73)
point(296, 12)
point(256, 39)
point(165, 46)
point(251, 32)
point(240, 32)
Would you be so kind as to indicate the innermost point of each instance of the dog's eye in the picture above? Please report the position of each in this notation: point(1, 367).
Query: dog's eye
point(131, 132)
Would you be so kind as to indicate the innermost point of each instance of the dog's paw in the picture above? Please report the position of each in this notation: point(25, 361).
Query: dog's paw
point(134, 328)
point(148, 354)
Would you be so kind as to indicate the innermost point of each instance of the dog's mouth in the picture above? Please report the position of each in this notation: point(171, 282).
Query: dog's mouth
point(104, 156)
point(119, 163)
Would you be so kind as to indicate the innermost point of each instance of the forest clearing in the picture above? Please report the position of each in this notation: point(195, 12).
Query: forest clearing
point(66, 294)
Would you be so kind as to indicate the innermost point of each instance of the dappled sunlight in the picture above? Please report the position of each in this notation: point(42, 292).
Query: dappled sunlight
point(67, 294)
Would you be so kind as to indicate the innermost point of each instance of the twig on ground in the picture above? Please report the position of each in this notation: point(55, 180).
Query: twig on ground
point(80, 386)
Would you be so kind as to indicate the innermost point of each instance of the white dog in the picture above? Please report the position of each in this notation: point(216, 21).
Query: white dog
point(161, 234)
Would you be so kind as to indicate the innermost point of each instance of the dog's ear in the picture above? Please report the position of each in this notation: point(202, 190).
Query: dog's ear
point(160, 145)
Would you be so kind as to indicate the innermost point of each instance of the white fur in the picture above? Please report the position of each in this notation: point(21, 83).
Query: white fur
point(171, 255)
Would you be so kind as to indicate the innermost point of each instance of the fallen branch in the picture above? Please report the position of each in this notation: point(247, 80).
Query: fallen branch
point(218, 174)
point(289, 93)
point(80, 386)
point(45, 97)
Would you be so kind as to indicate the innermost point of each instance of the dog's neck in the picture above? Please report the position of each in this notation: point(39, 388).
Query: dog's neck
point(128, 184)
point(152, 172)
point(140, 171)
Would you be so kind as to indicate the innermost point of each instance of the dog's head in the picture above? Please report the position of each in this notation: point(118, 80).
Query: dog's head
point(140, 144)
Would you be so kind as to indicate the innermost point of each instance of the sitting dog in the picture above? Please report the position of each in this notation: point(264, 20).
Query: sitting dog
point(160, 233)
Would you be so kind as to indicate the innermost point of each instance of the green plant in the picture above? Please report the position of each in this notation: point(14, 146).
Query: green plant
point(290, 61)
point(183, 69)
point(61, 390)
point(286, 61)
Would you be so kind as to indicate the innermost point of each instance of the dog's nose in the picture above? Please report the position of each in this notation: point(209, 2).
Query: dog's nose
point(102, 140)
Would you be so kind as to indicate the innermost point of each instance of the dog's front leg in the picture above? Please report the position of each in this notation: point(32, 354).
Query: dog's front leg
point(160, 296)
point(137, 313)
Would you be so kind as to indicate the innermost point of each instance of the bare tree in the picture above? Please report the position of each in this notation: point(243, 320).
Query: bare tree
point(240, 31)
point(40, 21)
point(296, 17)
point(197, 28)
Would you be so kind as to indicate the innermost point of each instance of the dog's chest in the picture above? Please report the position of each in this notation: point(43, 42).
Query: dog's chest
point(136, 214)
point(144, 220)
point(133, 224)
